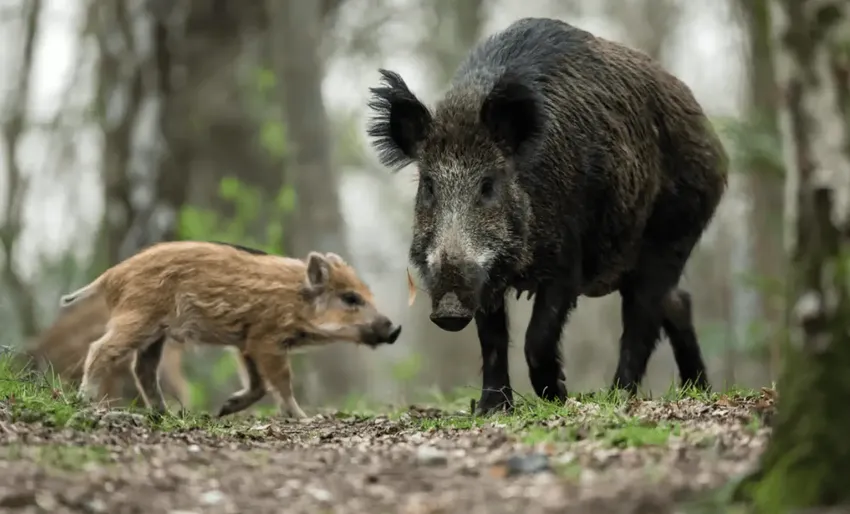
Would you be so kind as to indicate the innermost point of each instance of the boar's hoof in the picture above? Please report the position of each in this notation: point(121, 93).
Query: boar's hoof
point(494, 401)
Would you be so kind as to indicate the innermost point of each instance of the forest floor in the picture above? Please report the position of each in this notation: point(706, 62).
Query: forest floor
point(596, 454)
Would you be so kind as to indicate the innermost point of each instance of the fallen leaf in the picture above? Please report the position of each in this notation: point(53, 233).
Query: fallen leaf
point(498, 471)
point(411, 289)
point(725, 401)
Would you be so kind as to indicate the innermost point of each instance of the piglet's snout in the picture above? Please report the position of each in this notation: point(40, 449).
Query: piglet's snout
point(394, 334)
point(381, 331)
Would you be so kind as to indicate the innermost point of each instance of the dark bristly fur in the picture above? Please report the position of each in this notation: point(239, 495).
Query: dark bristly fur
point(558, 164)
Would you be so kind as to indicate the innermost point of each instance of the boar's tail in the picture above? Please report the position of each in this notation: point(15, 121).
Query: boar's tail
point(81, 294)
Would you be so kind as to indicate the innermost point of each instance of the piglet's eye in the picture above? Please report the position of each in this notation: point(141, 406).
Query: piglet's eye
point(351, 299)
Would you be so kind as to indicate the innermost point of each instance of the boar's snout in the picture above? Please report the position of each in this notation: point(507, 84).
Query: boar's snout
point(450, 314)
point(455, 293)
point(381, 331)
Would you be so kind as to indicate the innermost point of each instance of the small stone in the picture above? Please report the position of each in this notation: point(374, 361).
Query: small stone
point(526, 464)
point(212, 497)
point(46, 501)
point(430, 456)
point(123, 418)
point(96, 505)
point(322, 495)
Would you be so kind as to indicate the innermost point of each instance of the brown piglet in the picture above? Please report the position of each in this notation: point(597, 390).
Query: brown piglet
point(62, 348)
point(264, 305)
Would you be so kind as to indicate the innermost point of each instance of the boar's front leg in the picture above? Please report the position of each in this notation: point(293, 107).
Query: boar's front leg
point(552, 305)
point(496, 391)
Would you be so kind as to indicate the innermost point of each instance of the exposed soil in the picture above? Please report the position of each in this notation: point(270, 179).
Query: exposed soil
point(340, 463)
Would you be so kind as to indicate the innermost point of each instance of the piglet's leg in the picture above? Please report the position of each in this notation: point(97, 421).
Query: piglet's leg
point(125, 335)
point(145, 368)
point(171, 374)
point(254, 388)
point(275, 368)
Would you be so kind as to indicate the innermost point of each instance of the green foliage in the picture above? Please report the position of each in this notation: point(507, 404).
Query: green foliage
point(265, 106)
point(408, 368)
point(750, 142)
point(249, 207)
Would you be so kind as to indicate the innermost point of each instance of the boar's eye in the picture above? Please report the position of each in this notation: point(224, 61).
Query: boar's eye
point(351, 299)
point(487, 188)
point(427, 186)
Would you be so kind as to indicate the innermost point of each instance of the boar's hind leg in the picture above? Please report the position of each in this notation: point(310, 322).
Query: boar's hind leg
point(678, 324)
point(145, 366)
point(647, 292)
point(254, 388)
point(552, 305)
point(496, 391)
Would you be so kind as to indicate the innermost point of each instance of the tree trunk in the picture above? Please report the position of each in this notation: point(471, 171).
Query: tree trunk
point(765, 176)
point(806, 462)
point(121, 89)
point(12, 129)
point(316, 223)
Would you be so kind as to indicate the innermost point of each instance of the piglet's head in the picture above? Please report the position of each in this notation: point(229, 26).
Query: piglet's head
point(342, 306)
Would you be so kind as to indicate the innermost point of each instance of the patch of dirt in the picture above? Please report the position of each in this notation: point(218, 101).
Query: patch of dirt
point(356, 465)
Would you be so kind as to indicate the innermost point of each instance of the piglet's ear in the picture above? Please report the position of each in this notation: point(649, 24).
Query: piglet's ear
point(334, 259)
point(512, 113)
point(400, 122)
point(318, 270)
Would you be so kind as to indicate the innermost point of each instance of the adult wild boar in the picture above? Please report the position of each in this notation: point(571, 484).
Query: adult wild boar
point(558, 164)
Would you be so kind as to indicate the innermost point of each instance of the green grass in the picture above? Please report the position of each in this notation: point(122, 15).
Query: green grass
point(32, 396)
point(599, 416)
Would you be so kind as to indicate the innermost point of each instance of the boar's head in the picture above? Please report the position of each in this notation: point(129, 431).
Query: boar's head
point(471, 218)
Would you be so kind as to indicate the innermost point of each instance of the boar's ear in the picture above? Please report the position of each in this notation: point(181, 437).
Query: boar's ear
point(318, 270)
point(400, 121)
point(512, 113)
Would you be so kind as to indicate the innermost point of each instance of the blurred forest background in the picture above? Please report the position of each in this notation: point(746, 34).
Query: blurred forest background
point(126, 122)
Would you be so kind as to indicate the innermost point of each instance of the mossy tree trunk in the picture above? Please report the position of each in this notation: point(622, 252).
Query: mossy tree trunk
point(807, 461)
point(765, 177)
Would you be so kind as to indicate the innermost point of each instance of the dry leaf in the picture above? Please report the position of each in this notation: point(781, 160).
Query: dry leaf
point(498, 471)
point(411, 289)
point(725, 401)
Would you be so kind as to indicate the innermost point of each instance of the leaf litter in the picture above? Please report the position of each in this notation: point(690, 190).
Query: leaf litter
point(643, 456)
